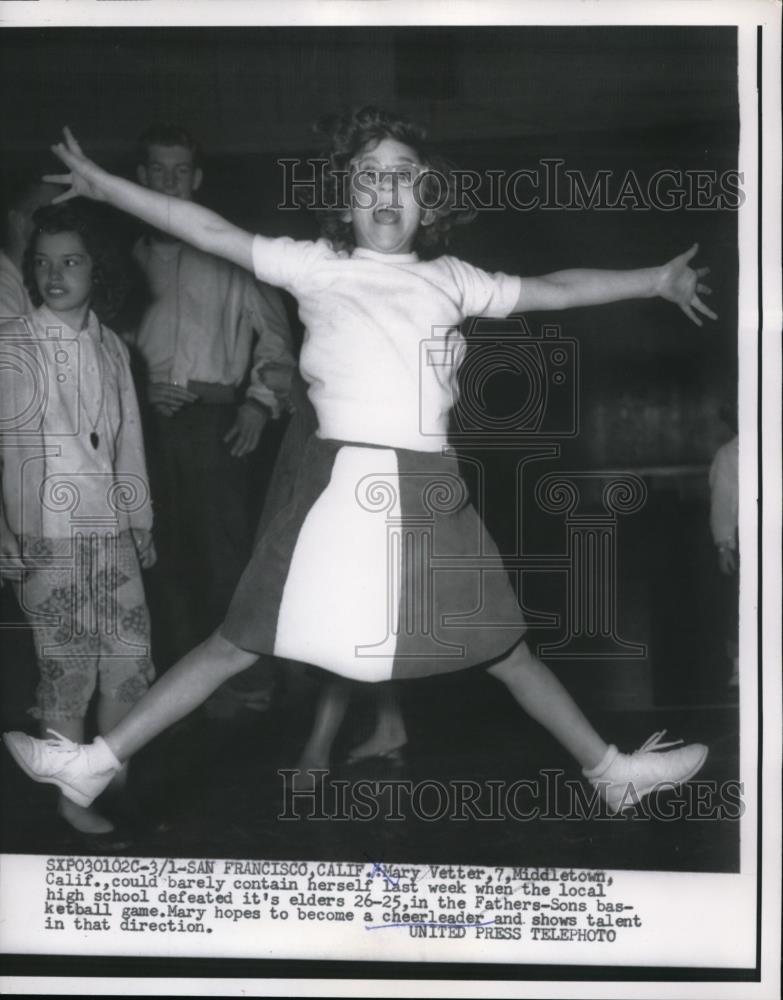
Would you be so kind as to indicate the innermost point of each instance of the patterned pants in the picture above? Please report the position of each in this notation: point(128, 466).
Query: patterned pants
point(84, 600)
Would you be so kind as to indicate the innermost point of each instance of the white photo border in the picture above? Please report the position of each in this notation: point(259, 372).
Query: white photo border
point(760, 313)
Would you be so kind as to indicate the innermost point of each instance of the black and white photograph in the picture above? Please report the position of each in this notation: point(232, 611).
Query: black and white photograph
point(354, 629)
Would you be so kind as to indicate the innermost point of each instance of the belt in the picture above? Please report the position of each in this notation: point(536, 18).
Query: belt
point(214, 392)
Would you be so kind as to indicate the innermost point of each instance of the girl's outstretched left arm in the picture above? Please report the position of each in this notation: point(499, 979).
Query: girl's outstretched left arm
point(675, 281)
point(186, 220)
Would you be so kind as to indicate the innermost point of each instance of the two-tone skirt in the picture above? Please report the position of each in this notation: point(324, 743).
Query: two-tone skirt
point(379, 568)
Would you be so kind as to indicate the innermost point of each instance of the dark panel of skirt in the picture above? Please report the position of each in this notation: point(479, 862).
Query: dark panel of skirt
point(379, 568)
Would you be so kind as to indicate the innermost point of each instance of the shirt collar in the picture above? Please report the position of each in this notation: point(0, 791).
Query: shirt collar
point(47, 318)
point(385, 258)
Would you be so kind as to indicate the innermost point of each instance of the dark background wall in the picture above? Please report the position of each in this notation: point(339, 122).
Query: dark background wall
point(502, 99)
point(614, 99)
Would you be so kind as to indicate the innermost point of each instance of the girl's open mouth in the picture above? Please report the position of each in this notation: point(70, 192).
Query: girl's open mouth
point(386, 214)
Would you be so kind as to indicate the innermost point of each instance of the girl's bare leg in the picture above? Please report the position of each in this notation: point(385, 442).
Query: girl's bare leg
point(543, 697)
point(329, 715)
point(390, 734)
point(177, 693)
point(109, 713)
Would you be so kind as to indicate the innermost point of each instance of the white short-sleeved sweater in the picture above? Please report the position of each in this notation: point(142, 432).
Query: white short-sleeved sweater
point(382, 341)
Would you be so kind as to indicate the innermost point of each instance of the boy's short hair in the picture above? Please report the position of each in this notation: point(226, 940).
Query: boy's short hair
point(110, 270)
point(351, 133)
point(166, 134)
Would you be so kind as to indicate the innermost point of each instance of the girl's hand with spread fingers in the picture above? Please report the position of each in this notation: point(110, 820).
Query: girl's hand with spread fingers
point(184, 220)
point(682, 285)
point(84, 177)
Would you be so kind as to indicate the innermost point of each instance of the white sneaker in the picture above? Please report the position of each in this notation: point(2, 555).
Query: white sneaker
point(624, 779)
point(80, 771)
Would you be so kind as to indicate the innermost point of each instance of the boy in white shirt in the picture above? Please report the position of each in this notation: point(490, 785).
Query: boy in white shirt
point(219, 359)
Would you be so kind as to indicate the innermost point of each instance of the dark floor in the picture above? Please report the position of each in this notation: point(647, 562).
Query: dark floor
point(211, 789)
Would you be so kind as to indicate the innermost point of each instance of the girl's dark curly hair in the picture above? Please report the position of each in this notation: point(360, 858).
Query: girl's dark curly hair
point(110, 276)
point(349, 135)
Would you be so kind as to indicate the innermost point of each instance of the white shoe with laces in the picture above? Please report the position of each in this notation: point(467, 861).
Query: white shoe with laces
point(624, 779)
point(80, 771)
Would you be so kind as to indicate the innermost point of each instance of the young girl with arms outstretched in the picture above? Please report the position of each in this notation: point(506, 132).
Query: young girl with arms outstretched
point(342, 578)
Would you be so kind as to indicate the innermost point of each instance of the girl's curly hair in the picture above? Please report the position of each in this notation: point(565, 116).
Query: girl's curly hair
point(351, 133)
point(110, 274)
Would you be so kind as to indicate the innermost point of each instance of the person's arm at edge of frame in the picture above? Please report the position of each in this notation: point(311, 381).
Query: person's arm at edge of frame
point(674, 281)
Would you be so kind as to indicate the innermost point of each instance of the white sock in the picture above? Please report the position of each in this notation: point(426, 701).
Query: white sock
point(101, 756)
point(603, 764)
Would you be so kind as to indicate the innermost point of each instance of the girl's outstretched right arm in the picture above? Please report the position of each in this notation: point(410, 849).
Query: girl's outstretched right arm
point(185, 220)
